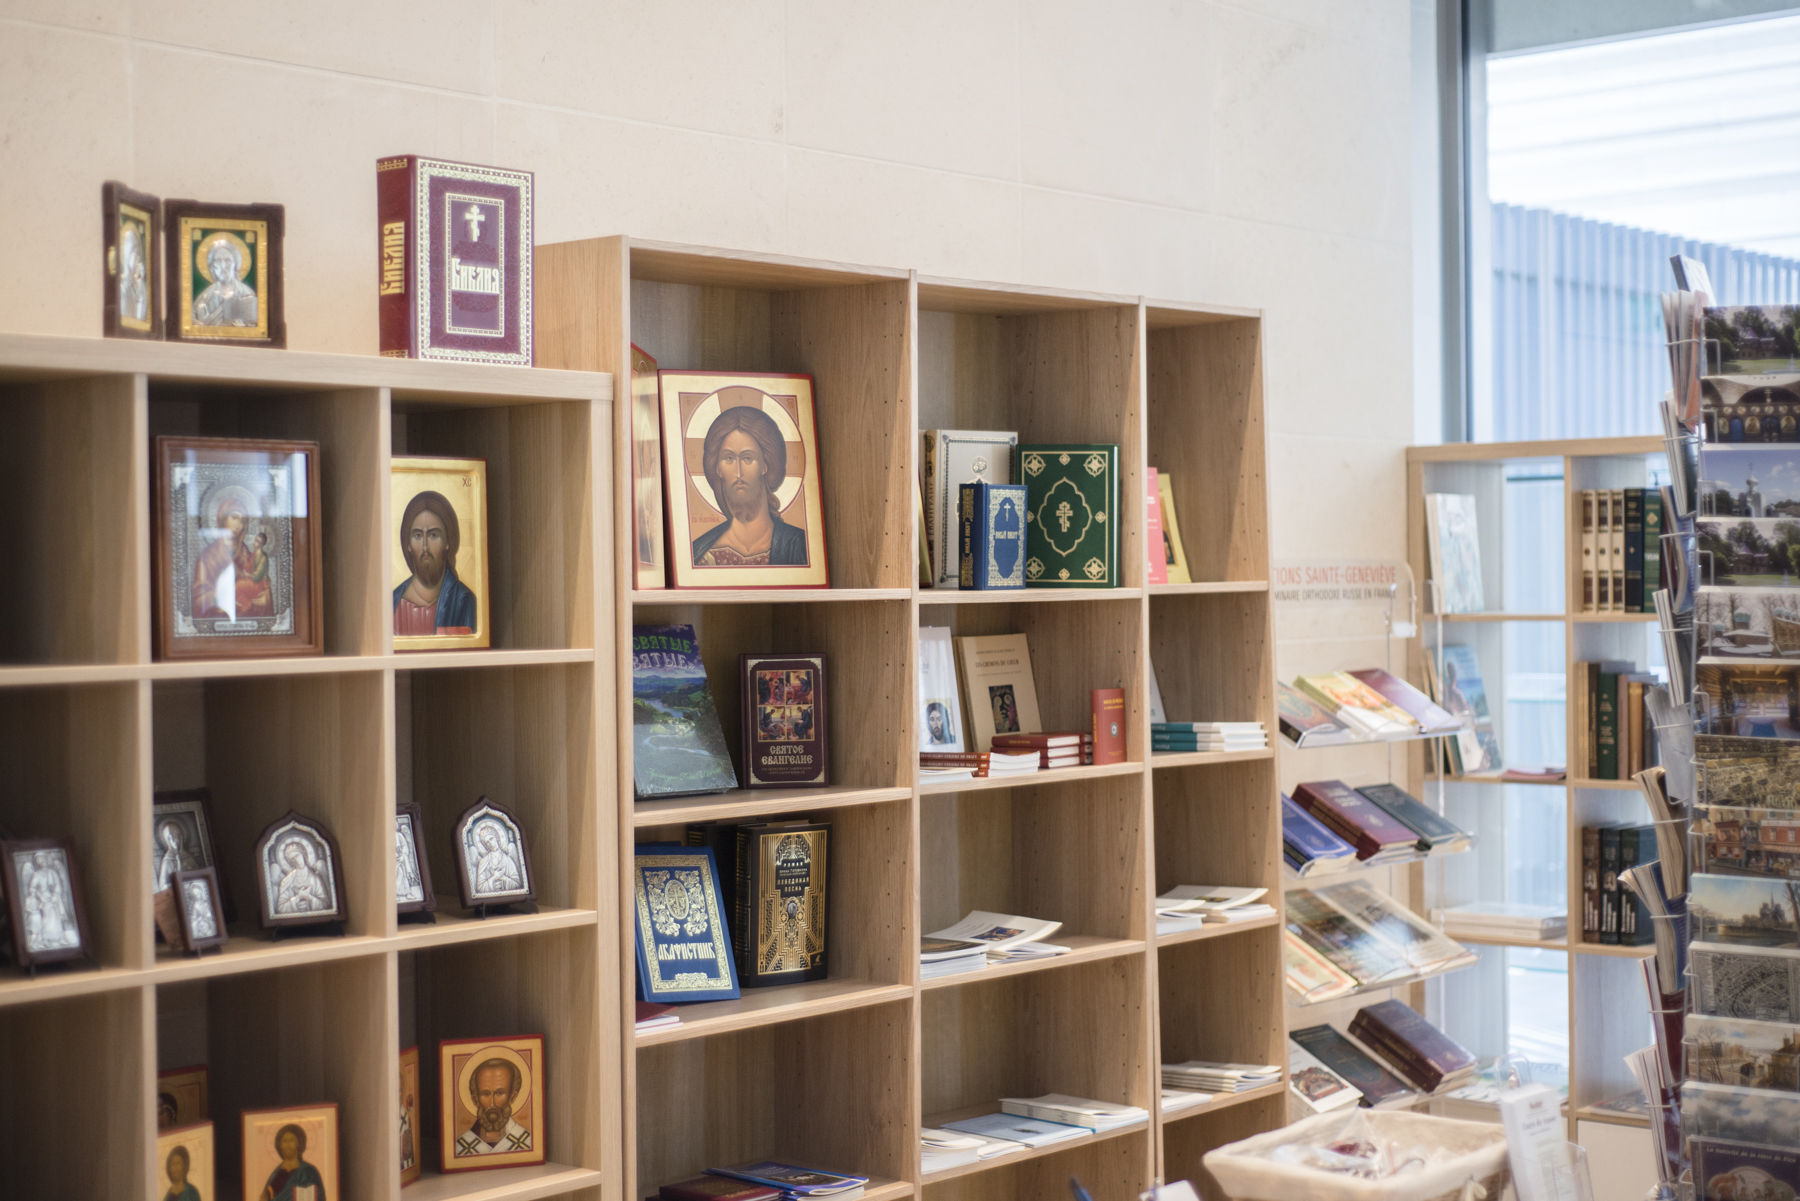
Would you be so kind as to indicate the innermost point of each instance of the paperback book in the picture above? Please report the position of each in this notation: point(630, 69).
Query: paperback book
point(1358, 706)
point(996, 675)
point(1477, 747)
point(1305, 722)
point(1309, 975)
point(1450, 530)
point(1315, 1087)
point(940, 710)
point(1375, 1083)
point(678, 744)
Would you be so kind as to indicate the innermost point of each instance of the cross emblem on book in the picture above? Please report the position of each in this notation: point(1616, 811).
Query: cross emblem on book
point(474, 216)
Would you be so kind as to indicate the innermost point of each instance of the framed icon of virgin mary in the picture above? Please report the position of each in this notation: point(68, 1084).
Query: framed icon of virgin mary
point(741, 481)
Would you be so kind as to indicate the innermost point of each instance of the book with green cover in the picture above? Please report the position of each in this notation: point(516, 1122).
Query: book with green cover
point(1072, 515)
point(1606, 726)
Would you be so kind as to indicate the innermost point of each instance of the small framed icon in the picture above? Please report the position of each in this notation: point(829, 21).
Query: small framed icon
point(48, 915)
point(412, 1164)
point(133, 275)
point(493, 861)
point(181, 1097)
point(440, 573)
point(412, 870)
point(224, 273)
point(201, 912)
point(491, 1102)
point(299, 874)
point(291, 1152)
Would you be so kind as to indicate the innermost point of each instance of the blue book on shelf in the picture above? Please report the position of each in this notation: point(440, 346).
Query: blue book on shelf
point(992, 554)
point(1306, 839)
point(683, 942)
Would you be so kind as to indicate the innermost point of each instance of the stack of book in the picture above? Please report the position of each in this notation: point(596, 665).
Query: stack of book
point(1506, 920)
point(1001, 936)
point(949, 956)
point(1376, 704)
point(1074, 1111)
point(1614, 736)
point(940, 1149)
point(1208, 736)
point(1060, 748)
point(1190, 906)
point(794, 1183)
point(1427, 1058)
point(979, 764)
point(1609, 914)
point(1209, 1077)
point(1027, 1132)
point(1175, 1099)
point(651, 1016)
point(1307, 846)
point(1378, 836)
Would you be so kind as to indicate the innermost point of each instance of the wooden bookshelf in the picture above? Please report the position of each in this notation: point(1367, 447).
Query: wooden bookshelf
point(91, 726)
point(1607, 1010)
point(842, 1072)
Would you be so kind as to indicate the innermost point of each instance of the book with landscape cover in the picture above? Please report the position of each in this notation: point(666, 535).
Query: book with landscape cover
point(1376, 1083)
point(1436, 832)
point(1419, 1051)
point(1354, 818)
point(1072, 519)
point(678, 744)
point(780, 911)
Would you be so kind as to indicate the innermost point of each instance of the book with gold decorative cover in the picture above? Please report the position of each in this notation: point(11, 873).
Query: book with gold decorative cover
point(1072, 515)
point(780, 911)
point(683, 940)
point(455, 273)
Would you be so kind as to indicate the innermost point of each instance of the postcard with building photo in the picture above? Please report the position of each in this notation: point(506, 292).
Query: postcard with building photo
point(1745, 911)
point(1753, 339)
point(1749, 552)
point(1749, 481)
point(1749, 701)
point(1751, 408)
point(1747, 773)
point(1734, 624)
point(1751, 1054)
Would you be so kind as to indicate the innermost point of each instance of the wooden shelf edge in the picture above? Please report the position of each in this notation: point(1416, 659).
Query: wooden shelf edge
point(454, 928)
point(1207, 587)
point(1217, 930)
point(764, 596)
point(57, 983)
point(1005, 596)
point(503, 1184)
point(1589, 1113)
point(1614, 618)
point(753, 802)
point(260, 955)
point(1029, 1153)
point(1084, 949)
point(770, 1006)
point(1575, 448)
point(1054, 776)
point(38, 675)
point(1615, 785)
point(1490, 940)
point(1364, 990)
point(1458, 618)
point(1612, 950)
point(1202, 758)
point(1224, 1101)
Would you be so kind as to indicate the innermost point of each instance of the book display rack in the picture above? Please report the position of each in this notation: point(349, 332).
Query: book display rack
point(843, 1072)
point(1607, 1014)
point(91, 725)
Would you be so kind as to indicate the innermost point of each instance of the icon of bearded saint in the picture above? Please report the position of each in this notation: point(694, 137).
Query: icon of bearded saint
point(433, 600)
point(494, 1087)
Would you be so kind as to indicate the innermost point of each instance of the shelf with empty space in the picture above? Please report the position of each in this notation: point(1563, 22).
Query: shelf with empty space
point(1612, 950)
point(1500, 940)
point(503, 1184)
point(764, 1006)
point(1015, 1157)
point(1593, 1113)
point(1083, 948)
point(1203, 758)
point(1494, 615)
point(754, 802)
point(763, 596)
point(258, 953)
point(1001, 596)
point(1217, 930)
point(1056, 775)
point(457, 926)
point(1226, 1101)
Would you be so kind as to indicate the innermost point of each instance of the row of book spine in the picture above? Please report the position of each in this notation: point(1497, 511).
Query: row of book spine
point(1610, 914)
point(1614, 735)
point(1621, 549)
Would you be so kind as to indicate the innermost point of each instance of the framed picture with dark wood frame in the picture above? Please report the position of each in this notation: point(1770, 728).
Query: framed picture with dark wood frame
point(237, 555)
point(131, 234)
point(412, 870)
point(201, 910)
point(224, 273)
point(299, 874)
point(493, 860)
point(181, 839)
point(46, 911)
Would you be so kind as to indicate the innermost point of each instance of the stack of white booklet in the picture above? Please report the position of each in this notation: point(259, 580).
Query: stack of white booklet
point(1211, 735)
point(1211, 1077)
point(1004, 935)
point(940, 1149)
point(1181, 1098)
point(948, 956)
point(928, 775)
point(1506, 919)
point(1076, 1111)
point(1190, 906)
point(1032, 1132)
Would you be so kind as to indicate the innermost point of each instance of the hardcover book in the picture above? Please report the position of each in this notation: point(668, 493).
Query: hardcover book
point(780, 911)
point(1728, 1170)
point(1356, 819)
point(1419, 1051)
point(683, 942)
point(456, 244)
point(996, 677)
point(940, 709)
point(1376, 1084)
point(784, 720)
point(992, 543)
point(1415, 704)
point(1305, 723)
point(1108, 706)
point(1737, 1051)
point(1436, 832)
point(953, 458)
point(678, 745)
point(1071, 523)
point(1307, 839)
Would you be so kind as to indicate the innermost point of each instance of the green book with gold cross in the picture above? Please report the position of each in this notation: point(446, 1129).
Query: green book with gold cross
point(1072, 515)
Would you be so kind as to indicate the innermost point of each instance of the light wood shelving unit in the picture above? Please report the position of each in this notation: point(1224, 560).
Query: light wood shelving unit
point(843, 1072)
point(91, 726)
point(1607, 1010)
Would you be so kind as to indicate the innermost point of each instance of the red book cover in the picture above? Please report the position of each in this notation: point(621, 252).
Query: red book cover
point(1109, 724)
point(1354, 818)
point(648, 1010)
point(1153, 531)
point(1040, 741)
point(1424, 1054)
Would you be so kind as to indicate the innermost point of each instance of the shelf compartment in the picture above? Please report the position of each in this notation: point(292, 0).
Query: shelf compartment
point(1217, 930)
point(765, 1006)
point(745, 803)
point(541, 513)
point(1219, 1000)
point(1218, 825)
point(453, 926)
point(988, 1169)
point(868, 658)
point(1162, 759)
point(1083, 948)
point(841, 1077)
point(74, 464)
point(1214, 656)
point(1187, 1137)
point(1222, 1101)
point(504, 1184)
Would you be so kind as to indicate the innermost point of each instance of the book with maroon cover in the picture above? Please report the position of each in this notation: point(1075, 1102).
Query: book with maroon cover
point(455, 270)
point(1432, 718)
point(1357, 820)
point(1054, 738)
point(1419, 1051)
point(1108, 707)
point(718, 1188)
point(784, 716)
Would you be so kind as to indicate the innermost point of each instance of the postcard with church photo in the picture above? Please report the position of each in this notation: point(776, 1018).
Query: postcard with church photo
point(1748, 624)
point(741, 471)
point(224, 272)
point(237, 549)
point(440, 554)
point(1748, 700)
point(491, 1102)
point(184, 1163)
point(291, 1154)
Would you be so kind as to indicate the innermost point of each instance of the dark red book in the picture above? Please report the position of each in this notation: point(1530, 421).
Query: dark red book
point(784, 721)
point(1419, 1051)
point(718, 1188)
point(1040, 741)
point(1356, 819)
point(455, 260)
point(1432, 718)
point(650, 1010)
point(1108, 706)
